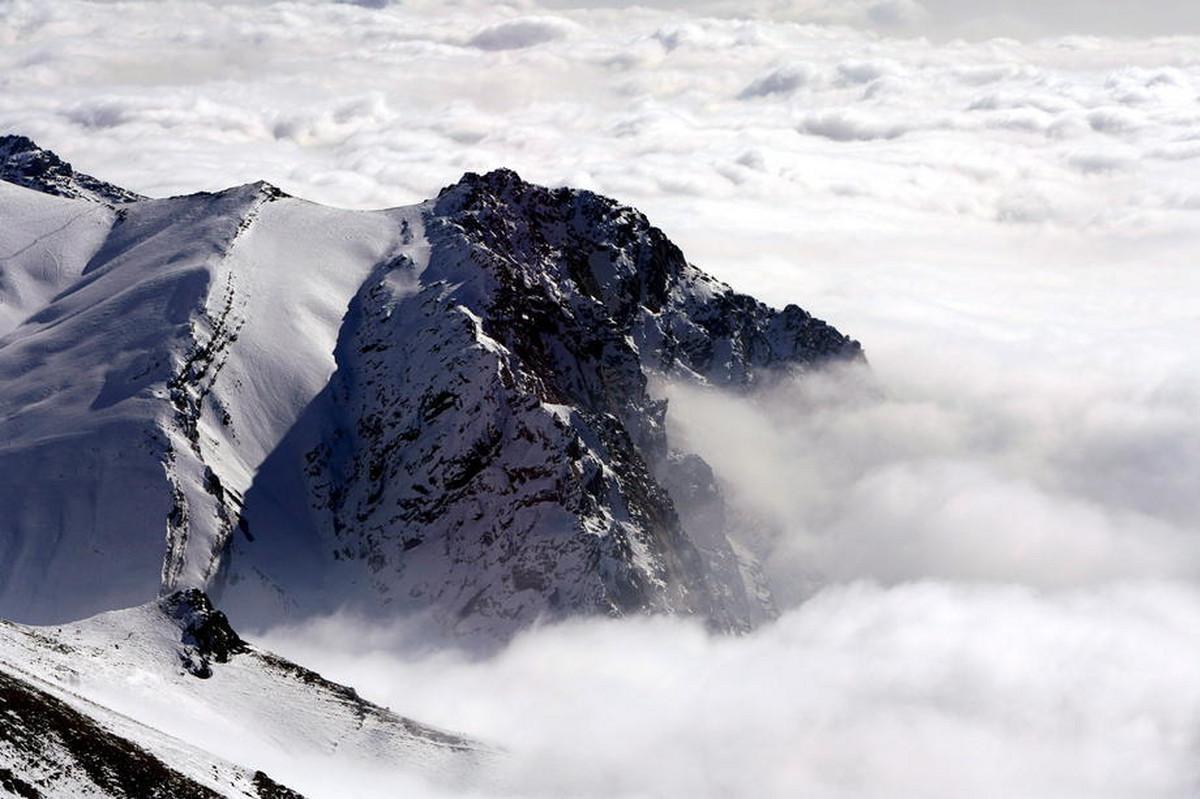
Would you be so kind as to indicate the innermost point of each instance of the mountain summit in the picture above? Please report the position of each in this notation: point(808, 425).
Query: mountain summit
point(440, 410)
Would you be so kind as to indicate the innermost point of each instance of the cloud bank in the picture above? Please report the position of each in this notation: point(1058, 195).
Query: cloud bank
point(925, 690)
point(985, 550)
point(1039, 479)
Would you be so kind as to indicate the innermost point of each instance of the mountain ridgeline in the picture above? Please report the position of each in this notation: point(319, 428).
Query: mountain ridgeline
point(441, 410)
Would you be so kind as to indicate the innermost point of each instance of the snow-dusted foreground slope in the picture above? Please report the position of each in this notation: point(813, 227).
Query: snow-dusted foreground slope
point(165, 700)
point(440, 409)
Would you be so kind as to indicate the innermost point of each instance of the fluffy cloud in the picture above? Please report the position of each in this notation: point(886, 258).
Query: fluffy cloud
point(1032, 480)
point(517, 34)
point(852, 126)
point(919, 690)
point(782, 80)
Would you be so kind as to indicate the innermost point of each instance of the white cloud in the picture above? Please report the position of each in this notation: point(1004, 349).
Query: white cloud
point(782, 80)
point(1114, 120)
point(1101, 161)
point(857, 72)
point(1031, 479)
point(852, 126)
point(920, 690)
point(517, 34)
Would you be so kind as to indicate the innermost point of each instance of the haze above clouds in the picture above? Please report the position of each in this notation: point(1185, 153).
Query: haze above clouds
point(985, 549)
point(975, 19)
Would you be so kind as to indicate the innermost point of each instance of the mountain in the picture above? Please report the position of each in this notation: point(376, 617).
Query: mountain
point(441, 410)
point(166, 700)
point(24, 163)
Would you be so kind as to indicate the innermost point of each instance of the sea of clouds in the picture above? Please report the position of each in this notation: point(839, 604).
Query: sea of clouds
point(985, 547)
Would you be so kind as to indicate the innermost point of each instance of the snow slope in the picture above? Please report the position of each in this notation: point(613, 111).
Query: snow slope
point(165, 700)
point(441, 409)
point(46, 745)
point(45, 243)
point(113, 440)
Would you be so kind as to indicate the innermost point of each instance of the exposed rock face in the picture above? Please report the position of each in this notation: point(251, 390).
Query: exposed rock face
point(500, 458)
point(24, 163)
point(440, 409)
point(206, 634)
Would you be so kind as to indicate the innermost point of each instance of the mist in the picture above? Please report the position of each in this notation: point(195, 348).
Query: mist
point(1042, 480)
point(986, 582)
point(929, 689)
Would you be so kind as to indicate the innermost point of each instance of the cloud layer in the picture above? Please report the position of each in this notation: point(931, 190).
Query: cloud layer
point(985, 549)
point(1038, 479)
point(922, 690)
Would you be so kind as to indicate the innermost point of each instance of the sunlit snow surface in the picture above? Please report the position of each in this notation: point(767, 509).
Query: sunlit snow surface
point(182, 275)
point(256, 712)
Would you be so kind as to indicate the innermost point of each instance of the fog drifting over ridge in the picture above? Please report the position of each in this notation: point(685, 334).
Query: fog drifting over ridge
point(985, 550)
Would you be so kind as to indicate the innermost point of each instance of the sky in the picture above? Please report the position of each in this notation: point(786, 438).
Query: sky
point(985, 547)
point(944, 19)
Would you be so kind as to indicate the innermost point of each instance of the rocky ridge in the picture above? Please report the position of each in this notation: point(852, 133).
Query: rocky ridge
point(24, 163)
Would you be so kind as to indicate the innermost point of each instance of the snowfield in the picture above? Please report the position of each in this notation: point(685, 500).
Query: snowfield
point(124, 319)
point(131, 675)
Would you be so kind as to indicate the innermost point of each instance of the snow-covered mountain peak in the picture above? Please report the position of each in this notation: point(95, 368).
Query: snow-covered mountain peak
point(23, 162)
point(580, 243)
point(442, 410)
point(489, 447)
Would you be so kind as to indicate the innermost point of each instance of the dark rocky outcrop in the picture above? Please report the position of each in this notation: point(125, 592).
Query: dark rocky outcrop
point(206, 635)
point(24, 163)
point(497, 455)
